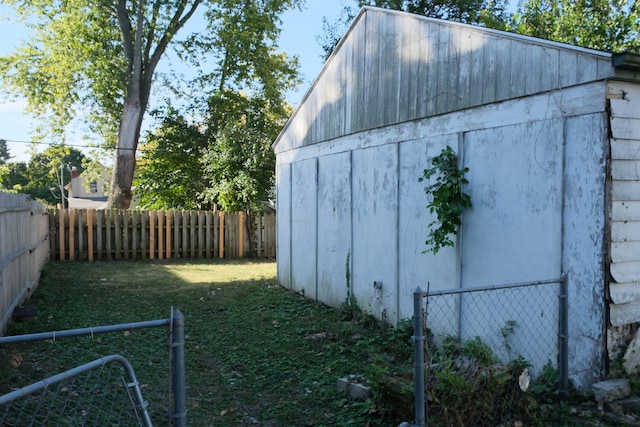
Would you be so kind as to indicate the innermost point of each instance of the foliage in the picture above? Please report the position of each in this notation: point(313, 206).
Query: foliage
point(597, 24)
point(239, 163)
point(44, 175)
point(170, 173)
point(4, 152)
point(99, 58)
point(448, 201)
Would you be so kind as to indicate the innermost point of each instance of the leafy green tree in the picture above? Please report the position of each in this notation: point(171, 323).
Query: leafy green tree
point(4, 152)
point(13, 177)
point(240, 163)
point(611, 25)
point(101, 57)
point(170, 171)
point(46, 173)
point(488, 13)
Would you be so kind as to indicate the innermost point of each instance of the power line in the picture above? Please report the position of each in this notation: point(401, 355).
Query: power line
point(65, 144)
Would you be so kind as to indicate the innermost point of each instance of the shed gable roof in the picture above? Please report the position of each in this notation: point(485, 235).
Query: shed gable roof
point(392, 67)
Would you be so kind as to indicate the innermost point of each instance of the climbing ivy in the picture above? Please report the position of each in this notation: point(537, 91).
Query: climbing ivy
point(448, 201)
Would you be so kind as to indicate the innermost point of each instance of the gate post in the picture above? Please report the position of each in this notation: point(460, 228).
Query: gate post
point(418, 352)
point(178, 370)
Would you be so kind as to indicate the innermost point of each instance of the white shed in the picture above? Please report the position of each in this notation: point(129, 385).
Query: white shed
point(550, 134)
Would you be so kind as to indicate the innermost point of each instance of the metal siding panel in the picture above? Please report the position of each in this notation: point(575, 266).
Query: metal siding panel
point(303, 226)
point(334, 226)
point(417, 268)
point(432, 74)
point(453, 70)
point(587, 68)
point(568, 68)
point(489, 72)
point(503, 68)
point(412, 71)
point(374, 213)
point(583, 242)
point(464, 73)
point(477, 67)
point(513, 233)
point(517, 82)
point(534, 57)
point(283, 224)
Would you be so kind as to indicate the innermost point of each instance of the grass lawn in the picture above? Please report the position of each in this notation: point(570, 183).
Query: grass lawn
point(256, 353)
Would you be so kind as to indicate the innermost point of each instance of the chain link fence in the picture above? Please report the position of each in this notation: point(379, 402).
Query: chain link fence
point(126, 374)
point(488, 356)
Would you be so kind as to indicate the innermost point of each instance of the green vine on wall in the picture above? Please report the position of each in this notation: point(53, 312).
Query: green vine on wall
point(448, 201)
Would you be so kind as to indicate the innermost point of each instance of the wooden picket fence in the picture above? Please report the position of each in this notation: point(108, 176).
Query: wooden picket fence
point(112, 234)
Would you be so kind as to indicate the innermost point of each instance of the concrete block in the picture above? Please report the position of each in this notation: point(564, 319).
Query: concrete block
point(353, 388)
point(611, 390)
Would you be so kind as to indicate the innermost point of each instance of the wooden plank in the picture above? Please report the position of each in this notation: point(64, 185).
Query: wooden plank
point(135, 234)
point(90, 220)
point(99, 224)
point(625, 211)
point(176, 234)
point(126, 231)
point(623, 293)
point(108, 222)
point(185, 234)
point(221, 235)
point(160, 235)
point(144, 219)
point(625, 231)
point(81, 216)
point(626, 272)
point(625, 170)
point(117, 230)
point(209, 233)
point(624, 314)
point(625, 128)
point(625, 252)
point(72, 234)
point(622, 149)
point(193, 224)
point(62, 233)
point(152, 234)
point(168, 234)
point(241, 234)
point(259, 234)
point(622, 191)
point(201, 240)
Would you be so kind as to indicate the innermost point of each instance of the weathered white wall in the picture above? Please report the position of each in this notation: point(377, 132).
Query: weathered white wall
point(537, 180)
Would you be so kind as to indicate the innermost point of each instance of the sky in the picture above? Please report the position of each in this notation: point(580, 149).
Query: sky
point(299, 33)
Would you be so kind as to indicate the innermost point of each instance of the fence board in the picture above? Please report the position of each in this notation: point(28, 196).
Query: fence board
point(24, 249)
point(123, 235)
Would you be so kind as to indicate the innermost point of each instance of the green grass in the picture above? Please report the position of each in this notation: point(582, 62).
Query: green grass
point(256, 353)
point(250, 355)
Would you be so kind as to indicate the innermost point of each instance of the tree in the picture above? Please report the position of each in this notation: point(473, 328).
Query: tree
point(488, 13)
point(45, 174)
point(100, 57)
point(611, 25)
point(239, 163)
point(170, 171)
point(4, 152)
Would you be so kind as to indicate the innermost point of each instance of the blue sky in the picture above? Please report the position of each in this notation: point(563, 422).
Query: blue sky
point(299, 33)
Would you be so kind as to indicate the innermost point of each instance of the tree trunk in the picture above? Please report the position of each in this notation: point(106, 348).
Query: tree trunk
point(120, 193)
